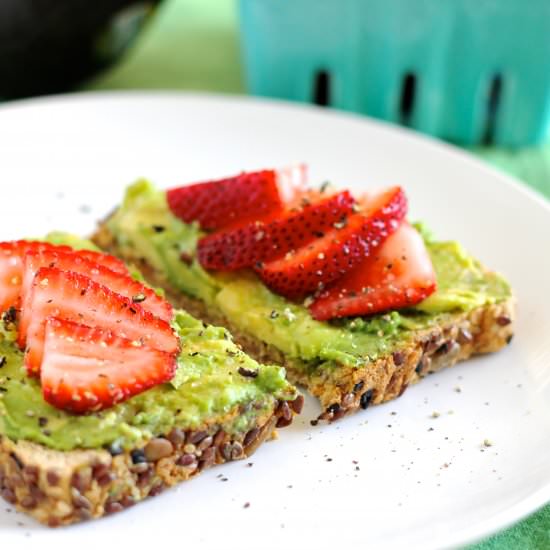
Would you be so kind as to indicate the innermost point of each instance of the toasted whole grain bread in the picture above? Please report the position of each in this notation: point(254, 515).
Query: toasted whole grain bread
point(64, 487)
point(344, 389)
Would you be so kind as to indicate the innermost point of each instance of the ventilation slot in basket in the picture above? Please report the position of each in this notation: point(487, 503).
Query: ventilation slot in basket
point(321, 89)
point(493, 101)
point(408, 93)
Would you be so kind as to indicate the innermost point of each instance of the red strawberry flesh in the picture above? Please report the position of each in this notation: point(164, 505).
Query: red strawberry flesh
point(87, 369)
point(11, 270)
point(75, 297)
point(74, 261)
point(271, 237)
point(12, 254)
point(218, 203)
point(310, 268)
point(106, 260)
point(398, 274)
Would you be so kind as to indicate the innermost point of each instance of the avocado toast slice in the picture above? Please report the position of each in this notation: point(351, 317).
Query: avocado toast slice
point(348, 363)
point(62, 467)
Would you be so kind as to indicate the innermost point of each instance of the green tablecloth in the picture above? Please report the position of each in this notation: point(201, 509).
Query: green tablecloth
point(193, 45)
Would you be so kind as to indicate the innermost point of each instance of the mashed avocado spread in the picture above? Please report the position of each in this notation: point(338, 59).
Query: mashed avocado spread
point(207, 385)
point(144, 227)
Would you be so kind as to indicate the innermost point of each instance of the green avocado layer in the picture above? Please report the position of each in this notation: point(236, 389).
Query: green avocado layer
point(145, 227)
point(207, 386)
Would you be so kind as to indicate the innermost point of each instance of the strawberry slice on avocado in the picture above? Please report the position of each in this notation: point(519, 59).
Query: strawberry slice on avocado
point(97, 317)
point(271, 237)
point(74, 297)
point(74, 260)
point(310, 268)
point(398, 274)
point(11, 270)
point(12, 254)
point(89, 369)
point(218, 203)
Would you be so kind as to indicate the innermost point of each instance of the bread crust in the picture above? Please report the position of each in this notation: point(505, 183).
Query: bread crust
point(344, 389)
point(65, 487)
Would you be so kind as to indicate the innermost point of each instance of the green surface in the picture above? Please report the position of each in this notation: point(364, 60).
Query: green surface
point(254, 309)
point(193, 45)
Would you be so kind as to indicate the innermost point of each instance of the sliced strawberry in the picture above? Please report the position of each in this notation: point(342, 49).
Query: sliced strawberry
point(272, 237)
point(315, 265)
point(11, 266)
point(399, 274)
point(106, 260)
point(11, 270)
point(87, 369)
point(72, 260)
point(218, 203)
point(75, 297)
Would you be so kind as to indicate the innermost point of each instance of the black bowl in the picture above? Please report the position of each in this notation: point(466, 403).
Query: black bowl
point(50, 46)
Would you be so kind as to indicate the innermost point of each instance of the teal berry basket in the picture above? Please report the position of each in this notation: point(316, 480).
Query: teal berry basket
point(470, 71)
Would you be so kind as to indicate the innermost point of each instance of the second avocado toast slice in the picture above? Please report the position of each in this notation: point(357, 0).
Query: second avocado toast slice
point(347, 363)
point(61, 467)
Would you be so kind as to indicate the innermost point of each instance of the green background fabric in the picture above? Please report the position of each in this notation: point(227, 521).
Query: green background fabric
point(194, 45)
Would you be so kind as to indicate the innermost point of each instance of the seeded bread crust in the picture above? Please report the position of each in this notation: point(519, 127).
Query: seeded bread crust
point(60, 488)
point(343, 390)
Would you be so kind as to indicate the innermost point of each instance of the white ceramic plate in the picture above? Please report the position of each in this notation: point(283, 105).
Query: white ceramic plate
point(398, 477)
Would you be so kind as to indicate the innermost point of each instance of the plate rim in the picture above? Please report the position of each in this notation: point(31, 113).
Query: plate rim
point(268, 102)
